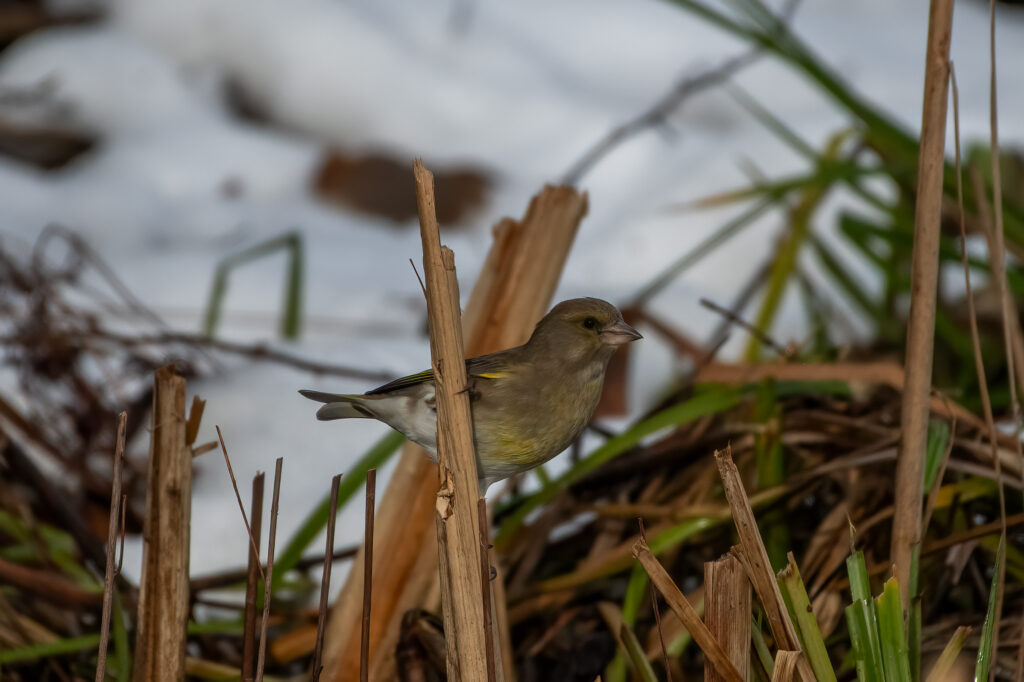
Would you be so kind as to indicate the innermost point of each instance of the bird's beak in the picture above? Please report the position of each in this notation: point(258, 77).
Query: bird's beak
point(618, 333)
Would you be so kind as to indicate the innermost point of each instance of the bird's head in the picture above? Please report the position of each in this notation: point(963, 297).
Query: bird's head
point(584, 328)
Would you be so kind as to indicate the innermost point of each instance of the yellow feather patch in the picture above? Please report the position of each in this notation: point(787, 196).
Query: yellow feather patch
point(492, 375)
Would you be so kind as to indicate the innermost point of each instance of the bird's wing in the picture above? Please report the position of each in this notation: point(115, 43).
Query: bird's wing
point(491, 366)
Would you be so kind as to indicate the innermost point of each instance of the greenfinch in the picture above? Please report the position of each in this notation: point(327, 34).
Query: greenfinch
point(528, 403)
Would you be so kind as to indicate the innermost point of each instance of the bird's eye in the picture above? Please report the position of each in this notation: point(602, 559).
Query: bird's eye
point(590, 323)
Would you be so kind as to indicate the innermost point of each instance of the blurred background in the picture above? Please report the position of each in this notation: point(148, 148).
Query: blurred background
point(147, 147)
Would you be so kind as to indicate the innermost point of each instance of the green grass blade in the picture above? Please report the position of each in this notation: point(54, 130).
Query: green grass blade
point(891, 633)
point(636, 655)
point(857, 569)
point(940, 671)
point(764, 654)
point(984, 663)
point(938, 440)
point(60, 647)
point(794, 594)
point(710, 402)
point(863, 642)
point(789, 249)
point(291, 311)
point(616, 670)
point(316, 521)
point(698, 252)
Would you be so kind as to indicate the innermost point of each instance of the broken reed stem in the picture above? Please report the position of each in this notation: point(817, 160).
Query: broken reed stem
point(267, 581)
point(325, 580)
point(112, 528)
point(906, 535)
point(364, 641)
point(120, 553)
point(979, 368)
point(455, 510)
point(727, 611)
point(661, 580)
point(755, 558)
point(787, 664)
point(164, 589)
point(657, 613)
point(241, 507)
point(485, 587)
point(252, 580)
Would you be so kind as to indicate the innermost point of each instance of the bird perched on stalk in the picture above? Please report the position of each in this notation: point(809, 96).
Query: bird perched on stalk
point(528, 403)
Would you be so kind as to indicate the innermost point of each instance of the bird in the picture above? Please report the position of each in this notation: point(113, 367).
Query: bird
point(528, 403)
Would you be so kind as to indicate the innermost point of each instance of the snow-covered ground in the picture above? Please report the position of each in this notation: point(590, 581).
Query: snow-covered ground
point(524, 90)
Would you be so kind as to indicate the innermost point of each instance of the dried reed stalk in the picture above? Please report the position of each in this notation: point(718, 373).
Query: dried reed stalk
point(787, 666)
point(754, 556)
point(112, 528)
point(325, 579)
point(458, 547)
point(906, 530)
point(512, 292)
point(486, 597)
point(261, 655)
point(252, 580)
point(164, 589)
point(364, 639)
point(716, 655)
point(727, 611)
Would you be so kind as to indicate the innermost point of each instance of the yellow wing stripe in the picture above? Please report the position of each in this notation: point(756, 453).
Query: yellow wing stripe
point(492, 375)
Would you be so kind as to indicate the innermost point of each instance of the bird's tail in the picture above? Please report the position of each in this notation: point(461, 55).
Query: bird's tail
point(339, 406)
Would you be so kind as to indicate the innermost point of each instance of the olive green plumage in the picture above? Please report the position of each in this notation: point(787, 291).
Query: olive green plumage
point(529, 403)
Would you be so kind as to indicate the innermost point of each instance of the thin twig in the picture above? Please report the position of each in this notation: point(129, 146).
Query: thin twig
point(423, 287)
point(325, 580)
point(213, 581)
point(364, 641)
point(979, 366)
point(238, 496)
point(108, 576)
point(253, 571)
point(267, 582)
point(485, 587)
point(657, 114)
point(120, 555)
point(256, 351)
point(657, 611)
point(740, 322)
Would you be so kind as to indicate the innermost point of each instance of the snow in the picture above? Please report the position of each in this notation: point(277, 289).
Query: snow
point(524, 89)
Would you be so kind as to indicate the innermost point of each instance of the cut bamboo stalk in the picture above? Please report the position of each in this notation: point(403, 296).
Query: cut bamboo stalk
point(512, 293)
point(660, 579)
point(458, 547)
point(754, 556)
point(906, 529)
point(252, 580)
point(112, 526)
point(163, 589)
point(727, 611)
